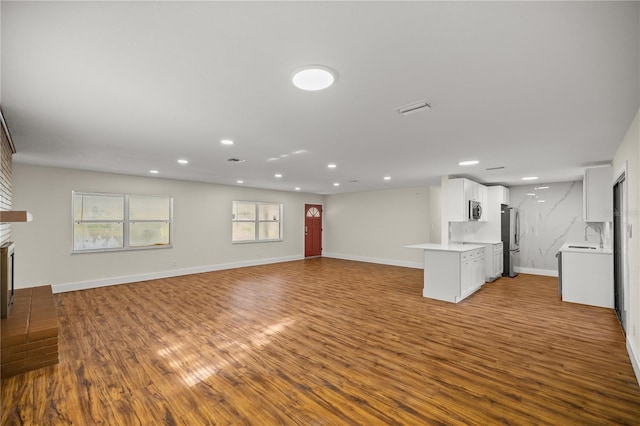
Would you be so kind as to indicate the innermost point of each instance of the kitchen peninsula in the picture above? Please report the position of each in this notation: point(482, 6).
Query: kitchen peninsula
point(452, 272)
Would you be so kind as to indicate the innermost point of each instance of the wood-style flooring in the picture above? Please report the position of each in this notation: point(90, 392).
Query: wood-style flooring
point(327, 342)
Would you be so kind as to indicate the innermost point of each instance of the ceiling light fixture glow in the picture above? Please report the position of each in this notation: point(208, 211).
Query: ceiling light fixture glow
point(332, 166)
point(154, 172)
point(387, 178)
point(297, 188)
point(336, 184)
point(278, 175)
point(468, 163)
point(183, 161)
point(541, 187)
point(313, 78)
point(240, 181)
point(226, 142)
point(530, 178)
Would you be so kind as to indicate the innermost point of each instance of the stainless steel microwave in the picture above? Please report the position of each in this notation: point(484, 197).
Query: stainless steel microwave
point(475, 210)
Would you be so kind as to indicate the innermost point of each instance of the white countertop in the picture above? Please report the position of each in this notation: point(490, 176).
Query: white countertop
point(447, 247)
point(483, 242)
point(596, 248)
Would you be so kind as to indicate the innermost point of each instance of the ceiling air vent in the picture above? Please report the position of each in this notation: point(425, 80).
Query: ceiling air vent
point(235, 160)
point(414, 107)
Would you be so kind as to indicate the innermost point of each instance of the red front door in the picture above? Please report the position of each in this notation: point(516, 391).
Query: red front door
point(312, 230)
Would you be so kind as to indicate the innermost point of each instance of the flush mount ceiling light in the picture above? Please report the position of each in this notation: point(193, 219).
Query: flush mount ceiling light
point(387, 178)
point(313, 77)
point(240, 181)
point(541, 187)
point(226, 142)
point(530, 178)
point(154, 172)
point(297, 188)
point(183, 161)
point(332, 166)
point(336, 184)
point(468, 163)
point(278, 175)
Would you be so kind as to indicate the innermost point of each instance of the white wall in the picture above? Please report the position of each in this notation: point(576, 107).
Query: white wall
point(202, 229)
point(545, 226)
point(629, 152)
point(374, 226)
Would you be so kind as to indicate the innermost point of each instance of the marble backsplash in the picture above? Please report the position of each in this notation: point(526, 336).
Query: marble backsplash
point(549, 217)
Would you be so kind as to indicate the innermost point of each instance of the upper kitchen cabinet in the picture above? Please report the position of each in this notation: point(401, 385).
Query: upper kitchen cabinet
point(597, 194)
point(460, 192)
point(502, 193)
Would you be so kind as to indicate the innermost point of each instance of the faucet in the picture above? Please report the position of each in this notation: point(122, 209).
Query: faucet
point(595, 228)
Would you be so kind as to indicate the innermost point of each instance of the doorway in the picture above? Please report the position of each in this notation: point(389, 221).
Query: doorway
point(312, 230)
point(619, 250)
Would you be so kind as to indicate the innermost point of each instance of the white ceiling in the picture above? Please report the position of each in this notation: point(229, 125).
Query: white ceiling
point(541, 88)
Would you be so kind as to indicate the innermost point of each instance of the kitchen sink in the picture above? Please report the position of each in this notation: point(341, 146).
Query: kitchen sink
point(582, 247)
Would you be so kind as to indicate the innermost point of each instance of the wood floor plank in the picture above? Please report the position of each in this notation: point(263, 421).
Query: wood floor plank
point(327, 342)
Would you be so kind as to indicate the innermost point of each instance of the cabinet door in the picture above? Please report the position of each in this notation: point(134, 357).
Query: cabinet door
point(498, 267)
point(478, 272)
point(597, 194)
point(466, 276)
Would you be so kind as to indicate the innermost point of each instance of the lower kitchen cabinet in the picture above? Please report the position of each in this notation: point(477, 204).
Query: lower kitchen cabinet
point(498, 262)
point(587, 276)
point(453, 275)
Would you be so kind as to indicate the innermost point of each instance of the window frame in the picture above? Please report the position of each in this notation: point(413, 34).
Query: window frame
point(126, 223)
point(257, 221)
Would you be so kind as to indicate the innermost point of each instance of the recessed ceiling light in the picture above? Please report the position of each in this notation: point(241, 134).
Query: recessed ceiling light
point(336, 184)
point(313, 77)
point(155, 172)
point(183, 161)
point(530, 178)
point(541, 187)
point(468, 163)
point(387, 178)
point(297, 188)
point(331, 166)
point(240, 181)
point(278, 175)
point(541, 201)
point(226, 142)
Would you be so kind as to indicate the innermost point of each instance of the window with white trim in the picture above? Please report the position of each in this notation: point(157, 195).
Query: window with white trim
point(254, 221)
point(108, 222)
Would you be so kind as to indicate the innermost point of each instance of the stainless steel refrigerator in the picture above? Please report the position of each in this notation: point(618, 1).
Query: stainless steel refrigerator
point(510, 239)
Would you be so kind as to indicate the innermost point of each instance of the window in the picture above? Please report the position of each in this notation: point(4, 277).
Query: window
point(255, 221)
point(106, 222)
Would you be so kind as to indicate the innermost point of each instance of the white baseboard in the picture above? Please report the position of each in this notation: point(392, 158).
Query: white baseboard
point(534, 271)
point(391, 262)
point(84, 285)
point(635, 360)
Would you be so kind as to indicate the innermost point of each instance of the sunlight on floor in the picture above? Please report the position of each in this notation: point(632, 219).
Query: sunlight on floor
point(192, 368)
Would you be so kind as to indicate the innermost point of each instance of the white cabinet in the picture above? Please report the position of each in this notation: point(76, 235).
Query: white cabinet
point(472, 271)
point(460, 192)
point(498, 260)
point(587, 277)
point(452, 275)
point(597, 194)
point(493, 261)
point(501, 194)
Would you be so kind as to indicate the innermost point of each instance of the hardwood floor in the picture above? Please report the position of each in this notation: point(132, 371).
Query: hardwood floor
point(327, 342)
